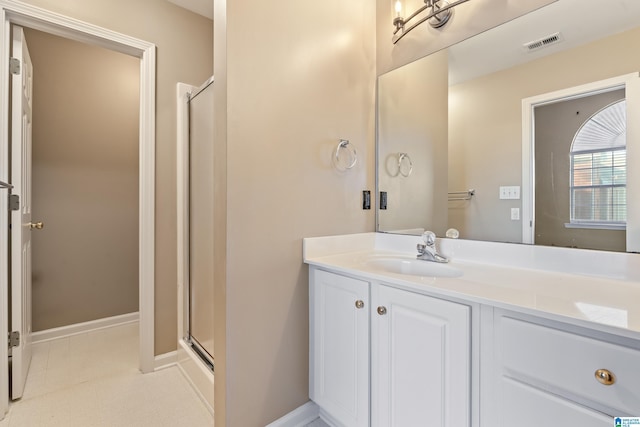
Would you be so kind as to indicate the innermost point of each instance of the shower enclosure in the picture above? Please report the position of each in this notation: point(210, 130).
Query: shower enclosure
point(196, 236)
point(200, 324)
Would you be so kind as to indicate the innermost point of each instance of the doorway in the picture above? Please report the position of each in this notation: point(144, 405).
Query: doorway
point(580, 170)
point(39, 19)
point(84, 182)
point(630, 83)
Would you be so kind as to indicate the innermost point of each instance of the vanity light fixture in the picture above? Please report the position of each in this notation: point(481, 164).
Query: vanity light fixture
point(436, 12)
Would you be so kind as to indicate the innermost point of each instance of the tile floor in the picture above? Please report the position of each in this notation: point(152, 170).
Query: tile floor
point(92, 380)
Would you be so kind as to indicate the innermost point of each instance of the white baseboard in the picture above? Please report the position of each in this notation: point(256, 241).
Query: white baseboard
point(166, 360)
point(81, 328)
point(298, 417)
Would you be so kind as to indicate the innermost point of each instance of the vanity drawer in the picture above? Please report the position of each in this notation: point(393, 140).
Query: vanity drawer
point(522, 407)
point(566, 363)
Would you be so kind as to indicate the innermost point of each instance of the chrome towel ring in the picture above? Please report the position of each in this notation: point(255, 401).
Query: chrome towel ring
point(404, 159)
point(346, 156)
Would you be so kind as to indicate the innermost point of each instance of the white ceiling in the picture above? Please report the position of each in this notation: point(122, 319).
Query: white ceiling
point(579, 22)
point(201, 7)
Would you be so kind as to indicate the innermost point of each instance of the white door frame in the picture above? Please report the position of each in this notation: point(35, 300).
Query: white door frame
point(631, 84)
point(14, 12)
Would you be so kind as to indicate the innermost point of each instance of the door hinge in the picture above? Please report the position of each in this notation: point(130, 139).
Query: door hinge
point(14, 202)
point(14, 339)
point(14, 66)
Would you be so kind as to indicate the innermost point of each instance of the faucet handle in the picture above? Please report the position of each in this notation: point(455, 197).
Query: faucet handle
point(429, 238)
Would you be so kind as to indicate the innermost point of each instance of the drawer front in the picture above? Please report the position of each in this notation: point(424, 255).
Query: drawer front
point(525, 406)
point(566, 363)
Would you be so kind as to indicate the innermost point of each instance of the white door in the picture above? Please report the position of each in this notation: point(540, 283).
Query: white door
point(21, 104)
point(420, 364)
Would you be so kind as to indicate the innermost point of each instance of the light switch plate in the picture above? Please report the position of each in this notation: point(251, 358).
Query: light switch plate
point(510, 192)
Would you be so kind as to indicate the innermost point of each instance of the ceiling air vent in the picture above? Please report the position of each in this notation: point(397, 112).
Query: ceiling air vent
point(543, 42)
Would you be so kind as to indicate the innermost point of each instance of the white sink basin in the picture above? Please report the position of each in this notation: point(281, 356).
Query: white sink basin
point(413, 267)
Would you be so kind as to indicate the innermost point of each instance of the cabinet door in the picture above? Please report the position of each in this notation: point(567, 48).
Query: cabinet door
point(339, 340)
point(420, 360)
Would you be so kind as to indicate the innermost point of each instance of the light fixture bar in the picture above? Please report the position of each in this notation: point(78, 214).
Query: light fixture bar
point(400, 23)
point(413, 15)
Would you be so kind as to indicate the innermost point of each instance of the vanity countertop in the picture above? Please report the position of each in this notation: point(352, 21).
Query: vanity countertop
point(586, 288)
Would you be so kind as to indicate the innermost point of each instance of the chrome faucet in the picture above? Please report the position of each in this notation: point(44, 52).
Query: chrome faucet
point(427, 250)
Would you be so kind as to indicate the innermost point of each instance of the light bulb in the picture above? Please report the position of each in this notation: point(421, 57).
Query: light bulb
point(398, 8)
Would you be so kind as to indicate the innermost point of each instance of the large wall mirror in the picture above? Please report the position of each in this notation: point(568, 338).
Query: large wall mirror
point(521, 134)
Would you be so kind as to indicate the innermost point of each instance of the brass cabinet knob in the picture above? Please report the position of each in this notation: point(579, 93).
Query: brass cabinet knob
point(36, 225)
point(382, 310)
point(605, 376)
point(359, 304)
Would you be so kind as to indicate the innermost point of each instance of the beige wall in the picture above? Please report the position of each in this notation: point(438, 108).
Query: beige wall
point(297, 77)
point(85, 181)
point(184, 54)
point(286, 91)
point(412, 119)
point(469, 19)
point(478, 129)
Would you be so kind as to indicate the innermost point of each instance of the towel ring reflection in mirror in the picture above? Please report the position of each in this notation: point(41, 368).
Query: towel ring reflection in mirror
point(404, 160)
point(345, 157)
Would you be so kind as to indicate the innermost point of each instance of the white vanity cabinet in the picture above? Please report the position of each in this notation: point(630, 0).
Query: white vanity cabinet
point(419, 351)
point(546, 374)
point(525, 342)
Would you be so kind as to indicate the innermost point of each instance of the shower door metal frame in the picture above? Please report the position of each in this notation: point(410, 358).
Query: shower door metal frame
point(185, 94)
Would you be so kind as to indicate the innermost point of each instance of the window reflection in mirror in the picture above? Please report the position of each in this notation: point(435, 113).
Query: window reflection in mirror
point(484, 123)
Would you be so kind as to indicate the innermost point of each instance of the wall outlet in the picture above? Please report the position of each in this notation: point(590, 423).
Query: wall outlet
point(515, 214)
point(366, 199)
point(383, 200)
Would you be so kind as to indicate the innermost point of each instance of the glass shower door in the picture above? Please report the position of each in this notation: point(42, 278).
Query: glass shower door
point(201, 220)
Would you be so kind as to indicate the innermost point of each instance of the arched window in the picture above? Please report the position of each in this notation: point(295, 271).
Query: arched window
point(599, 170)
